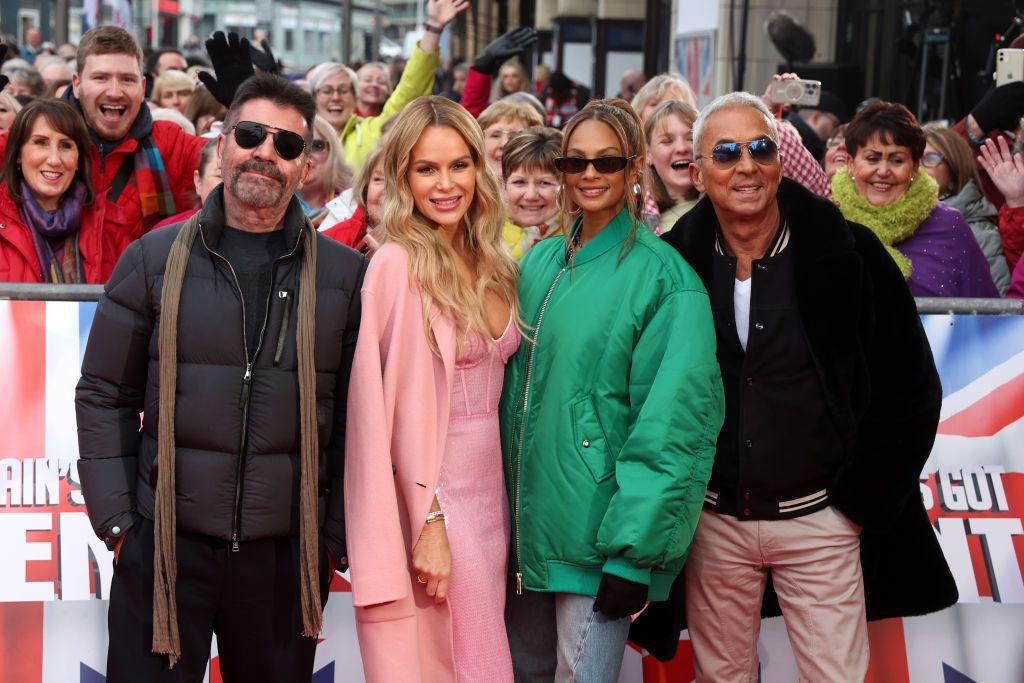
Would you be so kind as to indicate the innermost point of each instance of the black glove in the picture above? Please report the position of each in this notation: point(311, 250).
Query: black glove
point(618, 598)
point(264, 59)
point(508, 44)
point(1000, 108)
point(4, 80)
point(232, 64)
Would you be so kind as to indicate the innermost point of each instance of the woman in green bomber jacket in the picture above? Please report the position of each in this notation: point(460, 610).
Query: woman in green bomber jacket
point(609, 415)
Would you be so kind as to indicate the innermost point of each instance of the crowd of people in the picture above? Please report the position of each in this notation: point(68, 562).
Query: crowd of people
point(978, 182)
point(527, 363)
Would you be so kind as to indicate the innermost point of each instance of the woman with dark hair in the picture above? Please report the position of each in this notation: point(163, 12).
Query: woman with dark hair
point(49, 233)
point(885, 189)
point(609, 413)
point(949, 160)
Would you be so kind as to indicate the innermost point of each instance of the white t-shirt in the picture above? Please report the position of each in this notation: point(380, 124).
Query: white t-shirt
point(741, 306)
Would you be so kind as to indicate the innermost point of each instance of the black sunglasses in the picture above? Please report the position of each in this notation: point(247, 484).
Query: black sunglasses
point(574, 165)
point(727, 154)
point(249, 134)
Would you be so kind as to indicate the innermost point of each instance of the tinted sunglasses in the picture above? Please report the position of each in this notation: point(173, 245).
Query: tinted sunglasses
point(249, 135)
point(932, 159)
point(318, 146)
point(574, 165)
point(725, 155)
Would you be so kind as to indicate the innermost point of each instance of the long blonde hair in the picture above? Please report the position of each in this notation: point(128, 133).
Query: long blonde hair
point(432, 263)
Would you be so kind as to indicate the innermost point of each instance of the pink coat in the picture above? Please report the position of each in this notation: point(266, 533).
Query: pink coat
point(398, 404)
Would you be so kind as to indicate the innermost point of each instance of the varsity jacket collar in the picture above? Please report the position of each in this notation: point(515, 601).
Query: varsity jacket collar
point(815, 229)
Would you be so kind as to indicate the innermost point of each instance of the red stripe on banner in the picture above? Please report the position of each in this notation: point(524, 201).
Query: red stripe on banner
point(888, 652)
point(678, 669)
point(339, 584)
point(21, 642)
point(23, 369)
point(1001, 407)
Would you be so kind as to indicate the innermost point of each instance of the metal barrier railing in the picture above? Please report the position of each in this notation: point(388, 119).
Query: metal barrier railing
point(925, 305)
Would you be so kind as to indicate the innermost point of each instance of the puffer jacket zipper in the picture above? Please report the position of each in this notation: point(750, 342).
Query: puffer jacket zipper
point(525, 393)
point(243, 441)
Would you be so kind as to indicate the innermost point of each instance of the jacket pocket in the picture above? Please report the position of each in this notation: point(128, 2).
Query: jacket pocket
point(590, 441)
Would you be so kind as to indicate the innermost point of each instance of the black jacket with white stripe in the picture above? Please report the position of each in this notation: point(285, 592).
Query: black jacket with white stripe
point(779, 449)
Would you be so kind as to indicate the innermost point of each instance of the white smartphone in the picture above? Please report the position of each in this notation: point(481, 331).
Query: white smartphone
point(1009, 66)
point(802, 93)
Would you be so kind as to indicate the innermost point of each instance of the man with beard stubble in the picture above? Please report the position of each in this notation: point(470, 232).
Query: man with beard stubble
point(233, 334)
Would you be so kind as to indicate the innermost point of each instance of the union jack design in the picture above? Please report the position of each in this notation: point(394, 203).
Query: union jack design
point(54, 573)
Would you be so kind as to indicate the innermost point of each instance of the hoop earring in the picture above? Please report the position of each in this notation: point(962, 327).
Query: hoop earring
point(577, 212)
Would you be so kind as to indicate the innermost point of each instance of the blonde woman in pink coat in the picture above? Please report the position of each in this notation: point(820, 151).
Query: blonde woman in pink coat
point(425, 504)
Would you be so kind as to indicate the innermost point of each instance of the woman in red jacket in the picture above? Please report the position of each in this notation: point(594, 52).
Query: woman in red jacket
point(368, 194)
point(48, 232)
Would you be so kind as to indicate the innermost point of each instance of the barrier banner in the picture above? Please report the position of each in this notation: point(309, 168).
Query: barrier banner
point(55, 574)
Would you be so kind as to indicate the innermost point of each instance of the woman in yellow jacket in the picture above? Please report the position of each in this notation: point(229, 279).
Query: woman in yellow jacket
point(334, 86)
point(531, 188)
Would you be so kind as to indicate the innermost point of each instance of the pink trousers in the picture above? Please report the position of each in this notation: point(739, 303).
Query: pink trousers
point(814, 563)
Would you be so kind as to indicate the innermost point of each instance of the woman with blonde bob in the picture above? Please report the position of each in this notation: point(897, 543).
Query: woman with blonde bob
point(329, 173)
point(669, 134)
point(609, 416)
point(427, 516)
point(659, 89)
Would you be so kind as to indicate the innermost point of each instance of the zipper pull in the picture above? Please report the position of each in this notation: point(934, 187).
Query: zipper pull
point(234, 542)
point(243, 400)
point(519, 583)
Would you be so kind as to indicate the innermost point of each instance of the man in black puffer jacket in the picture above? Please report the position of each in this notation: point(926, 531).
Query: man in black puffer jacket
point(261, 313)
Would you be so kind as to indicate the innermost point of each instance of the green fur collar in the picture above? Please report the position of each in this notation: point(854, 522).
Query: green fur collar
point(894, 222)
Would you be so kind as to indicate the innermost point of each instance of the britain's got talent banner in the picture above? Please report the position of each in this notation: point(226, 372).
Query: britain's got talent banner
point(55, 574)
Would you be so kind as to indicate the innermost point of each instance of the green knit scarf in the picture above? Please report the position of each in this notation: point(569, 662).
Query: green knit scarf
point(892, 223)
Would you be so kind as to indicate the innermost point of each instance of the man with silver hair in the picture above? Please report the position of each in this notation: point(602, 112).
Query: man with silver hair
point(813, 509)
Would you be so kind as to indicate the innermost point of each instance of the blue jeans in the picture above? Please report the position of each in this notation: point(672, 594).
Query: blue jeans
point(559, 637)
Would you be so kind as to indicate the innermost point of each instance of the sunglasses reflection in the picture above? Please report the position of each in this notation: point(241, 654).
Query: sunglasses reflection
point(763, 151)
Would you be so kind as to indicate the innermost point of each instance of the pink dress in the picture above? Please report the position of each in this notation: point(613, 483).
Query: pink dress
point(472, 495)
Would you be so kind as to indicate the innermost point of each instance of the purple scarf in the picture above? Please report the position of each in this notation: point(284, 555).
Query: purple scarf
point(60, 225)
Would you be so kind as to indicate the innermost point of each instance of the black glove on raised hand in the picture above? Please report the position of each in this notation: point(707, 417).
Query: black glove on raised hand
point(232, 64)
point(618, 598)
point(1000, 108)
point(4, 80)
point(508, 44)
point(263, 59)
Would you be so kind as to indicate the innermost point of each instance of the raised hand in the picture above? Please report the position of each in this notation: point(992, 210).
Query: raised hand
point(232, 64)
point(4, 80)
point(440, 13)
point(1006, 170)
point(509, 44)
point(264, 60)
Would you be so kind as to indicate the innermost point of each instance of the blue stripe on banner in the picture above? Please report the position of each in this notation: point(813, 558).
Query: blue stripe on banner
point(86, 311)
point(974, 345)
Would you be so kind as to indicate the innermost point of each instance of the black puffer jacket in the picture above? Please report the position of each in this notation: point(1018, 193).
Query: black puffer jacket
point(230, 485)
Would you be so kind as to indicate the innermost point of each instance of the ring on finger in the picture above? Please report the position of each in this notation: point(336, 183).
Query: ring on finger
point(421, 579)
